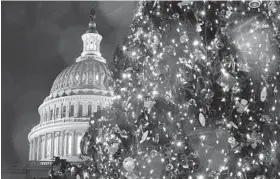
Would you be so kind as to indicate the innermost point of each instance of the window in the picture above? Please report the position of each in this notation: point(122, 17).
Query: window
point(80, 110)
point(89, 110)
point(72, 110)
point(64, 111)
point(45, 116)
point(69, 152)
point(56, 151)
point(79, 138)
point(57, 113)
point(51, 115)
point(97, 77)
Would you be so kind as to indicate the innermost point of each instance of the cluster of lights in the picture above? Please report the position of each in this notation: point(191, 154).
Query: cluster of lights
point(238, 111)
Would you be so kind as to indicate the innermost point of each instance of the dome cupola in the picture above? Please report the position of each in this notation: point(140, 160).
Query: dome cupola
point(91, 39)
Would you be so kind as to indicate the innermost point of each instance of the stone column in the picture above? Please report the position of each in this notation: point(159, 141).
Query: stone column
point(38, 148)
point(30, 149)
point(61, 144)
point(67, 110)
point(52, 144)
point(33, 149)
point(74, 143)
point(45, 147)
point(65, 143)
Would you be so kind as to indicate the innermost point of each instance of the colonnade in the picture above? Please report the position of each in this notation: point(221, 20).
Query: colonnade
point(60, 143)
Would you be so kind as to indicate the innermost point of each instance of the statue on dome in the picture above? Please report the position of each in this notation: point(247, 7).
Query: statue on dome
point(92, 15)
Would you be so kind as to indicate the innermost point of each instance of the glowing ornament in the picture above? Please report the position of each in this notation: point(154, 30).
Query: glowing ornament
point(226, 81)
point(255, 3)
point(183, 3)
point(219, 44)
point(153, 153)
point(235, 89)
point(228, 12)
point(265, 118)
point(260, 177)
point(254, 139)
point(263, 94)
point(242, 106)
point(176, 16)
point(129, 164)
point(169, 167)
point(144, 136)
point(198, 28)
point(113, 148)
point(272, 7)
point(149, 103)
point(233, 125)
point(202, 119)
point(184, 38)
point(170, 49)
point(86, 175)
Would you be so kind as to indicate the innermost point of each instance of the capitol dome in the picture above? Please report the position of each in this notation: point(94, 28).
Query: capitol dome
point(90, 73)
point(77, 93)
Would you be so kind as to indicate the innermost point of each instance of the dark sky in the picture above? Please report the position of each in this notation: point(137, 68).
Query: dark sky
point(39, 39)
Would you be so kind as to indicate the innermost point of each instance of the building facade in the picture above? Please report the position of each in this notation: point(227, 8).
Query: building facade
point(77, 92)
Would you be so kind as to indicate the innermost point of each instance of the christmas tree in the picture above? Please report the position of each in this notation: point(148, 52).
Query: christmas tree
point(195, 95)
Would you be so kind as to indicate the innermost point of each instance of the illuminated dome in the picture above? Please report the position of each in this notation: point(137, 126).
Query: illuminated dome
point(90, 73)
point(77, 93)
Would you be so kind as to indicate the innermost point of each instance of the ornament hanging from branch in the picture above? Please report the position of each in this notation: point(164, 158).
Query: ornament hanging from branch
point(255, 3)
point(242, 106)
point(263, 94)
point(226, 81)
point(202, 119)
point(129, 164)
point(184, 3)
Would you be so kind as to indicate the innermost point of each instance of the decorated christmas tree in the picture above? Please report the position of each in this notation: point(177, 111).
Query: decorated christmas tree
point(195, 95)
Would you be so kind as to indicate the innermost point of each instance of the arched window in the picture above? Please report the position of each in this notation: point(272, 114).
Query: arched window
point(89, 110)
point(64, 111)
point(45, 116)
point(80, 110)
point(57, 113)
point(51, 114)
point(71, 110)
point(79, 138)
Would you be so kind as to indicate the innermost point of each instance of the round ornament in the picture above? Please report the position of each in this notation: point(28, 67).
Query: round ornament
point(184, 38)
point(260, 177)
point(113, 148)
point(153, 153)
point(176, 16)
point(169, 167)
point(265, 118)
point(255, 3)
point(170, 49)
point(219, 44)
point(129, 164)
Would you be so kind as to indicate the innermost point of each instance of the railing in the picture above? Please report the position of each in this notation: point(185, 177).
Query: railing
point(41, 164)
point(58, 121)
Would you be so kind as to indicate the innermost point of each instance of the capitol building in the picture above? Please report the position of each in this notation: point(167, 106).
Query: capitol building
point(76, 94)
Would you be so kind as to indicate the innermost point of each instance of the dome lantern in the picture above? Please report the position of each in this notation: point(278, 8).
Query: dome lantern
point(91, 39)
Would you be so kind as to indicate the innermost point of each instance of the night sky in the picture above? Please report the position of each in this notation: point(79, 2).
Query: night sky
point(40, 39)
